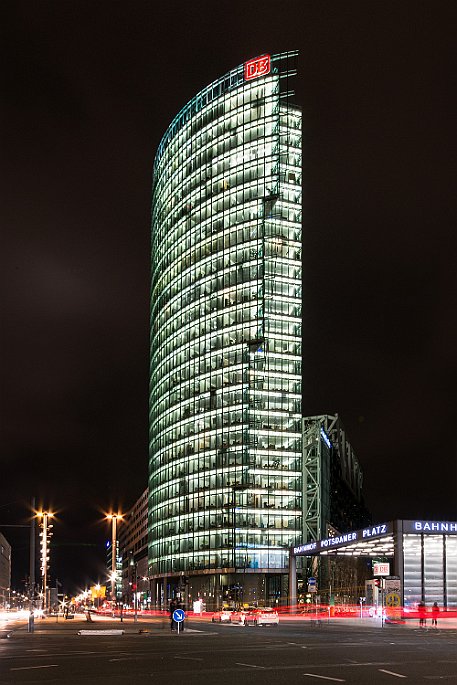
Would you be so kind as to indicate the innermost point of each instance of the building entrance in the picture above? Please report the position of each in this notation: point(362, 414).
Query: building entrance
point(422, 555)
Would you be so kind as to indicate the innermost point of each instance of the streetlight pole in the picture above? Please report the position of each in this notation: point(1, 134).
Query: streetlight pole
point(113, 555)
point(134, 567)
point(32, 559)
point(45, 539)
point(114, 518)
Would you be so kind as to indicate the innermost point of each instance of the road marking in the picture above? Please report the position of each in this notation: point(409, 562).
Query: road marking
point(324, 677)
point(192, 658)
point(439, 677)
point(398, 675)
point(85, 651)
point(28, 668)
point(100, 632)
point(279, 645)
point(250, 665)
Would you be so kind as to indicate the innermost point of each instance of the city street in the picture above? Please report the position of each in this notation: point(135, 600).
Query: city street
point(294, 651)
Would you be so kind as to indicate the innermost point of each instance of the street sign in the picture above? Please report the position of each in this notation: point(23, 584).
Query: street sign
point(178, 615)
point(393, 599)
point(381, 569)
point(311, 581)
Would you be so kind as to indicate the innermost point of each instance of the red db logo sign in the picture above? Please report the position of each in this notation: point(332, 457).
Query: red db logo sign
point(257, 67)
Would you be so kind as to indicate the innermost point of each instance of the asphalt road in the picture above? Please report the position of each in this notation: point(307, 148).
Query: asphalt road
point(205, 653)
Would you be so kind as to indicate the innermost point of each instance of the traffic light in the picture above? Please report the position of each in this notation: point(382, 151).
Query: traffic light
point(377, 582)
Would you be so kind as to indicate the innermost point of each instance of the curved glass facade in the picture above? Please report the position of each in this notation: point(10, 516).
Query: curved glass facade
point(226, 296)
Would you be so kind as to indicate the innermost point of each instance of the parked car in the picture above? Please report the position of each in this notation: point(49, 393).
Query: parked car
point(222, 616)
point(264, 616)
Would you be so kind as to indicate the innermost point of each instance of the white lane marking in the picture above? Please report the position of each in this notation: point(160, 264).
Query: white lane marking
point(28, 668)
point(279, 645)
point(324, 677)
point(398, 675)
point(250, 665)
point(439, 677)
point(92, 632)
point(192, 658)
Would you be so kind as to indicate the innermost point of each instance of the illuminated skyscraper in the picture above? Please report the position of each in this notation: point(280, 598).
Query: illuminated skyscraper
point(225, 465)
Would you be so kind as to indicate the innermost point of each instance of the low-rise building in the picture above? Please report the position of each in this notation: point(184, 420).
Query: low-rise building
point(133, 546)
point(5, 571)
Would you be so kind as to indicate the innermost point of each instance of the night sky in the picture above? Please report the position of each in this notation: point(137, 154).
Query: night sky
point(88, 90)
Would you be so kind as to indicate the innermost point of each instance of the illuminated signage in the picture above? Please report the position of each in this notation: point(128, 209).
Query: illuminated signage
point(381, 569)
point(434, 527)
point(310, 548)
point(338, 540)
point(305, 548)
point(257, 67)
point(325, 438)
point(375, 530)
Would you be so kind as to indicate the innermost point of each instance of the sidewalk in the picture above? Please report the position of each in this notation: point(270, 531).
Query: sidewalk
point(53, 625)
point(368, 622)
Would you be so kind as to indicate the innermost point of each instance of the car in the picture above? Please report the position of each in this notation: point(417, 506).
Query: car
point(238, 616)
point(262, 616)
point(222, 616)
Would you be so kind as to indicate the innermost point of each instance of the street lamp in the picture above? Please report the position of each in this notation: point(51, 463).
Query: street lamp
point(114, 518)
point(134, 567)
point(45, 535)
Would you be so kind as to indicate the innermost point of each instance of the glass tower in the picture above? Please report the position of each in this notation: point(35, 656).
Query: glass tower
point(225, 464)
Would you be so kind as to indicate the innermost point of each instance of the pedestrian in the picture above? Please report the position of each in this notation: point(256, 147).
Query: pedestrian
point(172, 620)
point(435, 612)
point(421, 608)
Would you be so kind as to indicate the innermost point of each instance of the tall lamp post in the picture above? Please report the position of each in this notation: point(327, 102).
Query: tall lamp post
point(45, 535)
point(114, 518)
point(134, 568)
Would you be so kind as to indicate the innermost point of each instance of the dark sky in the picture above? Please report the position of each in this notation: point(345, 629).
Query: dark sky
point(88, 90)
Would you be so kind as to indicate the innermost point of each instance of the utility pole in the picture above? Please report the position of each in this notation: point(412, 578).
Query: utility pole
point(32, 556)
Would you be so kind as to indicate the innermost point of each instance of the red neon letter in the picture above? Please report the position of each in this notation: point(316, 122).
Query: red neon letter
point(257, 67)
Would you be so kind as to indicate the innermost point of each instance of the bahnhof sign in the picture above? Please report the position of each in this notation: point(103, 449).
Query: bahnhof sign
point(423, 554)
